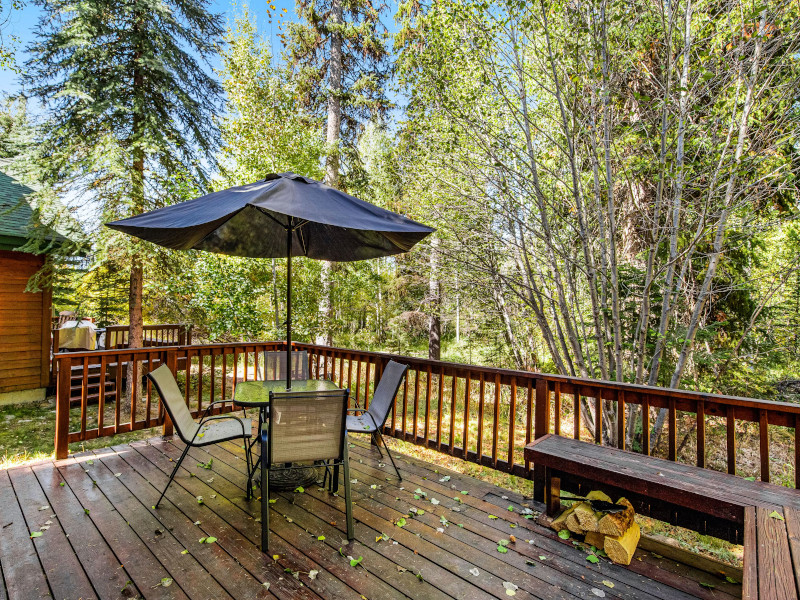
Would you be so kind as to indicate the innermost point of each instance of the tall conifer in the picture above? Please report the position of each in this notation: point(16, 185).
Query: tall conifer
point(129, 110)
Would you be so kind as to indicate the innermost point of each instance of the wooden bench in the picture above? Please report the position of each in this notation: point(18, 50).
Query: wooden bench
point(706, 501)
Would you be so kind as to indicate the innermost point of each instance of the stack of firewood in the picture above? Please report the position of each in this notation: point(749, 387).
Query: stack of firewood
point(616, 533)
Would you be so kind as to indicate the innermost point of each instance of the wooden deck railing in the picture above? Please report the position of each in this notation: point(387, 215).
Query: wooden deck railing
point(481, 414)
point(169, 334)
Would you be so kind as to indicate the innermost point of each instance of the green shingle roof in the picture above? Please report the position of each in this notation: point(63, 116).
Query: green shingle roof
point(15, 212)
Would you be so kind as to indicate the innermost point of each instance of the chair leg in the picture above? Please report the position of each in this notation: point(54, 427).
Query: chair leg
point(348, 503)
point(172, 475)
point(249, 467)
point(376, 443)
point(264, 500)
point(400, 477)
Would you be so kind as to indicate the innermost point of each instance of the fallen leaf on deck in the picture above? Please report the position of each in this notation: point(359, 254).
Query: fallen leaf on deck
point(474, 571)
point(598, 593)
point(36, 534)
point(312, 575)
point(355, 561)
point(607, 583)
point(166, 582)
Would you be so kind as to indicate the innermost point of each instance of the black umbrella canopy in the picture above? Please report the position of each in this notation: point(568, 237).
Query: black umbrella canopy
point(284, 215)
point(251, 220)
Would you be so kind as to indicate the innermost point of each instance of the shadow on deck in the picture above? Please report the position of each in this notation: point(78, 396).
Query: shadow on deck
point(100, 538)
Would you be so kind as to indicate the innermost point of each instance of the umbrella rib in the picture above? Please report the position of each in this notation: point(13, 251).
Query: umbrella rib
point(302, 238)
point(284, 225)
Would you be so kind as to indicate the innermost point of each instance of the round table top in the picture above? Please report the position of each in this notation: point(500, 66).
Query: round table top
point(256, 393)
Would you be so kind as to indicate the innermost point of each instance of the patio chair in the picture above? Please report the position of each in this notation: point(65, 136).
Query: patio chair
point(275, 365)
point(373, 420)
point(210, 430)
point(304, 427)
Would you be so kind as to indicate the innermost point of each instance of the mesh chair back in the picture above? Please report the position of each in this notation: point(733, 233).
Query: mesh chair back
point(173, 401)
point(383, 398)
point(275, 365)
point(307, 426)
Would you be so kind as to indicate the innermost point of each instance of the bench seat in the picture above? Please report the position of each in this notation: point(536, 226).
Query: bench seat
point(765, 518)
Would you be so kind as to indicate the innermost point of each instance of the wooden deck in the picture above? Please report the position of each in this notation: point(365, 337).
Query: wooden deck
point(102, 539)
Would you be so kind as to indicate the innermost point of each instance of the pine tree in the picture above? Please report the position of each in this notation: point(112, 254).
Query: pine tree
point(129, 108)
point(339, 55)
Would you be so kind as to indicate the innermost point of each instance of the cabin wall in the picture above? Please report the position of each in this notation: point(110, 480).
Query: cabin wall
point(24, 325)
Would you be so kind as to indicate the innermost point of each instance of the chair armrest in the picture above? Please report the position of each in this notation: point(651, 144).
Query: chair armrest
point(210, 406)
point(217, 418)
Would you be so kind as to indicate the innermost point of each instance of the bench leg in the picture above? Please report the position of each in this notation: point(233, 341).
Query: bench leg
point(552, 494)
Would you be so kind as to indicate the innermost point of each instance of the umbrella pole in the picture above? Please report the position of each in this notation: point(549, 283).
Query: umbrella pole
point(289, 307)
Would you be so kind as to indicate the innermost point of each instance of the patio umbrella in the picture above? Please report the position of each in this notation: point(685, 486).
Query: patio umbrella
point(281, 216)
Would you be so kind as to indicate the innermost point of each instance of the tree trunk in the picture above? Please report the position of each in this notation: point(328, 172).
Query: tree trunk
point(137, 207)
point(333, 135)
point(434, 305)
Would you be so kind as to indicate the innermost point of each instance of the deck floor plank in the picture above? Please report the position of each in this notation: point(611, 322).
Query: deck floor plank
point(265, 569)
point(126, 540)
point(313, 528)
point(288, 540)
point(142, 565)
point(206, 570)
point(66, 576)
point(104, 569)
point(410, 558)
point(22, 571)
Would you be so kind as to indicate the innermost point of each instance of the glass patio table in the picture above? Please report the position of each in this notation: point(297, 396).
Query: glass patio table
point(255, 394)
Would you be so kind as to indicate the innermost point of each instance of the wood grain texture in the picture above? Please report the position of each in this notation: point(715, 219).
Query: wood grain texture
point(24, 324)
point(792, 517)
point(775, 578)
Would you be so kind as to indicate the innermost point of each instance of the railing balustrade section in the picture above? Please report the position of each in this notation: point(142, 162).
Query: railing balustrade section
point(483, 415)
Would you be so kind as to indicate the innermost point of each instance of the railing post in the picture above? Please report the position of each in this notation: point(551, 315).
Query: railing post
point(541, 427)
point(64, 374)
point(172, 364)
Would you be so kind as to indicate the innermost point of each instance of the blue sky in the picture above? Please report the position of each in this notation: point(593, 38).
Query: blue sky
point(22, 23)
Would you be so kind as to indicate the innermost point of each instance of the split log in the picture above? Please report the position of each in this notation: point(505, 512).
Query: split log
point(616, 524)
point(596, 539)
point(560, 522)
point(620, 549)
point(587, 516)
point(573, 524)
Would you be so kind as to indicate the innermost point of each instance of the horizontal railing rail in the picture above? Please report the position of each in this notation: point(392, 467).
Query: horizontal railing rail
point(484, 415)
